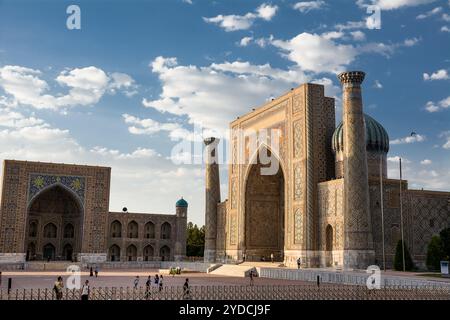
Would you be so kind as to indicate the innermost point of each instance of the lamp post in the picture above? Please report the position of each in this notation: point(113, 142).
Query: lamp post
point(382, 209)
point(401, 217)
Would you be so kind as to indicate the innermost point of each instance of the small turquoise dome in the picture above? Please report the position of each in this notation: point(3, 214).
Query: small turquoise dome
point(377, 138)
point(181, 203)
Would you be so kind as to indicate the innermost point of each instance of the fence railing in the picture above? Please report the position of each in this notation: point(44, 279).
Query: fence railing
point(230, 292)
point(350, 278)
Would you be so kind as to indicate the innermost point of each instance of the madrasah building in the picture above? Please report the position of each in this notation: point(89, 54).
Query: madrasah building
point(324, 204)
point(60, 212)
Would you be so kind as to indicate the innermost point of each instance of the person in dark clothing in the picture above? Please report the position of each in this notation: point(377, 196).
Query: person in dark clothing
point(186, 290)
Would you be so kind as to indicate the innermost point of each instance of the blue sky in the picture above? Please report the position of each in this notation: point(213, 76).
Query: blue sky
point(124, 89)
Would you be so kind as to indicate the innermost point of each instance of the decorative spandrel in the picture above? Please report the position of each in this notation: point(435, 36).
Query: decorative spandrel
point(39, 182)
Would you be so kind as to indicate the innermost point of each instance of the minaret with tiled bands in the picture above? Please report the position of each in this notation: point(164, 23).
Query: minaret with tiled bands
point(358, 243)
point(212, 198)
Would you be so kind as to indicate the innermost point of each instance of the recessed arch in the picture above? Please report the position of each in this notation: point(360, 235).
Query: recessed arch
point(329, 238)
point(56, 185)
point(149, 230)
point(116, 229)
point(148, 252)
point(59, 216)
point(68, 252)
point(166, 230)
point(49, 251)
point(131, 253)
point(114, 253)
point(264, 207)
point(133, 229)
point(50, 230)
point(164, 253)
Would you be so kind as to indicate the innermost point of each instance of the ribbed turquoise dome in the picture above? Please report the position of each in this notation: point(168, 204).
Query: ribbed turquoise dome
point(181, 203)
point(377, 138)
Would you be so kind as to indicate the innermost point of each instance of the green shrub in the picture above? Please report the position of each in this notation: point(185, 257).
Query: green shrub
point(435, 253)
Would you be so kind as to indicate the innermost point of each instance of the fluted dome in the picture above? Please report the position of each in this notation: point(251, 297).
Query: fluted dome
point(377, 138)
point(181, 203)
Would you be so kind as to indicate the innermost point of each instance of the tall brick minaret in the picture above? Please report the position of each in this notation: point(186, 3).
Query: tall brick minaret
point(358, 243)
point(212, 198)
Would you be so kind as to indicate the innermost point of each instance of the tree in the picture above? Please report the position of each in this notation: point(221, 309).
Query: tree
point(445, 239)
point(398, 260)
point(195, 242)
point(435, 253)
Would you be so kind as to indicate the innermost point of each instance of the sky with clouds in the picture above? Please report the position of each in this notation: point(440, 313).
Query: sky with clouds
point(140, 75)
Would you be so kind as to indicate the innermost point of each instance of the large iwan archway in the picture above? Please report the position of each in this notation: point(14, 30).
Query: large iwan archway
point(54, 225)
point(264, 212)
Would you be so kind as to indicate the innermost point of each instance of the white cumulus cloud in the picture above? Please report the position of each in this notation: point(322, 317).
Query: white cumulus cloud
point(441, 74)
point(237, 22)
point(208, 95)
point(409, 139)
point(86, 86)
point(439, 106)
point(306, 6)
point(393, 4)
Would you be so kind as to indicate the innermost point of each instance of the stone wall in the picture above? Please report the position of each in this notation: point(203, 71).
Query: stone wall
point(154, 233)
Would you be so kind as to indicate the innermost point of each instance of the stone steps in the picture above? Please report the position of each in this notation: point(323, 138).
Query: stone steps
point(232, 270)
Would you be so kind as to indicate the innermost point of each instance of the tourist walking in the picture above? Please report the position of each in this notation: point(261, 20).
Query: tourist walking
point(251, 278)
point(85, 291)
point(136, 282)
point(156, 280)
point(148, 285)
point(160, 283)
point(58, 288)
point(186, 290)
point(299, 262)
point(271, 257)
point(91, 272)
point(96, 271)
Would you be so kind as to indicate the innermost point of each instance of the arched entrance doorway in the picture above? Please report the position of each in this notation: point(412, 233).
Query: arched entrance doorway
point(148, 253)
point(49, 252)
point(68, 252)
point(131, 253)
point(54, 224)
point(264, 211)
point(164, 253)
point(114, 253)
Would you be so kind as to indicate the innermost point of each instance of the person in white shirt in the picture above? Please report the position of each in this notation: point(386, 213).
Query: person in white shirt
point(85, 290)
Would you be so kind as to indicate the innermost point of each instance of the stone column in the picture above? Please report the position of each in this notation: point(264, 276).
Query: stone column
point(212, 198)
point(358, 244)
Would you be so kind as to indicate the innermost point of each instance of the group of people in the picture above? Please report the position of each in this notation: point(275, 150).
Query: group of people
point(158, 280)
point(59, 286)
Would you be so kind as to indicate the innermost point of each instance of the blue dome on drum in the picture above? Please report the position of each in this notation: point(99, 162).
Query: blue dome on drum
point(181, 203)
point(377, 139)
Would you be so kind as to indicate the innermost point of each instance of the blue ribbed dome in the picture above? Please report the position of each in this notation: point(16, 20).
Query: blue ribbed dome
point(377, 138)
point(181, 203)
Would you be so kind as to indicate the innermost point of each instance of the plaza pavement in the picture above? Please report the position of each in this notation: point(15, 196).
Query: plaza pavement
point(125, 278)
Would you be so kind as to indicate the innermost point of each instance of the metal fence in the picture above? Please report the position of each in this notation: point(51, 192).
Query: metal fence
point(349, 278)
point(230, 292)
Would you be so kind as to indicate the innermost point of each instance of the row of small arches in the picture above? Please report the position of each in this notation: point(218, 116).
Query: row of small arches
point(133, 230)
point(51, 231)
point(148, 253)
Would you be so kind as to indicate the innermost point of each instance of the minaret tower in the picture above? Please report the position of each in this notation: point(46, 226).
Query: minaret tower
point(212, 198)
point(358, 243)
